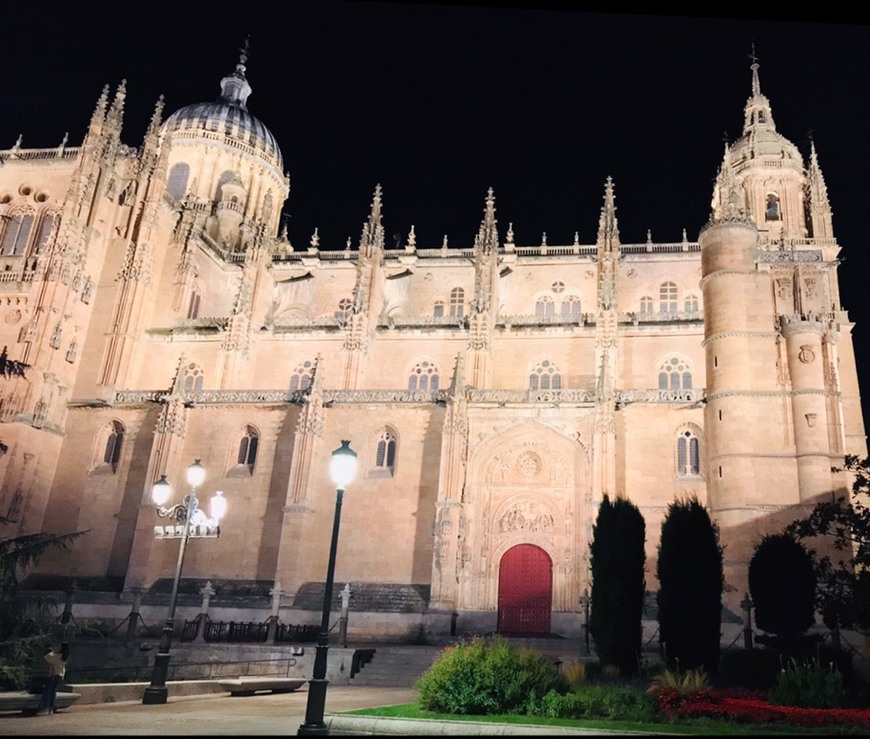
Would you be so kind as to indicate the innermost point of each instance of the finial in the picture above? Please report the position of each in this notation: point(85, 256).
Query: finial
point(576, 238)
point(685, 238)
point(18, 142)
point(412, 237)
point(649, 236)
point(244, 52)
point(348, 243)
point(315, 239)
point(510, 233)
point(544, 239)
point(444, 243)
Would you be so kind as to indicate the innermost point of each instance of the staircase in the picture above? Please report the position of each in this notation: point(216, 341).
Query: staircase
point(396, 666)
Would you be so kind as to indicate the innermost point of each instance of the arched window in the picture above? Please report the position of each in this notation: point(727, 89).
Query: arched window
point(668, 298)
point(771, 210)
point(193, 306)
point(675, 374)
point(225, 177)
point(545, 306)
point(177, 183)
point(691, 304)
point(385, 453)
point(345, 305)
point(545, 376)
point(457, 302)
point(571, 306)
point(193, 378)
point(688, 455)
point(423, 378)
point(16, 234)
point(646, 305)
point(44, 232)
point(112, 448)
point(439, 308)
point(301, 379)
point(248, 448)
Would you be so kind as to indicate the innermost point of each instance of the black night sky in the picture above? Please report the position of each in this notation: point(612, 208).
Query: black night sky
point(438, 102)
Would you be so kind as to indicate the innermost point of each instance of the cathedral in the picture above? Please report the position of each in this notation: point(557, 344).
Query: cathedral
point(493, 392)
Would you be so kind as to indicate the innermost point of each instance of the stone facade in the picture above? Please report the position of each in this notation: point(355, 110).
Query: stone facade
point(494, 392)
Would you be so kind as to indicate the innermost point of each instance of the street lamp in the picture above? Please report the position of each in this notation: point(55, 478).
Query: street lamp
point(342, 469)
point(191, 522)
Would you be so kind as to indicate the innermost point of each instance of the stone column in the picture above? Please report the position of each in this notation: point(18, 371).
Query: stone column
point(206, 591)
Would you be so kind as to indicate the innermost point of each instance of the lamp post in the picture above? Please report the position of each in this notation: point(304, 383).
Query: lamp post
point(342, 469)
point(191, 523)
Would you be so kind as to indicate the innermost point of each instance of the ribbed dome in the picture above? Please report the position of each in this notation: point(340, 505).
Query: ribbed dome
point(229, 116)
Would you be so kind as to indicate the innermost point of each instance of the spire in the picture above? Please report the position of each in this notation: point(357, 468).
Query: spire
point(156, 118)
point(373, 230)
point(757, 113)
point(487, 238)
point(608, 231)
point(99, 114)
point(234, 87)
point(116, 112)
point(819, 205)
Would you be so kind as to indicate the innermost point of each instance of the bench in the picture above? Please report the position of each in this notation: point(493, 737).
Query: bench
point(29, 703)
point(248, 685)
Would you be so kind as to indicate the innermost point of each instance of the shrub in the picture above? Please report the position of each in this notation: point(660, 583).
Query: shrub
point(782, 583)
point(808, 685)
point(618, 557)
point(682, 682)
point(574, 673)
point(487, 676)
point(599, 701)
point(754, 669)
point(691, 580)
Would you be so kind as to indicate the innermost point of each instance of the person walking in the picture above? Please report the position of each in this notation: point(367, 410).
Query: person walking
point(56, 661)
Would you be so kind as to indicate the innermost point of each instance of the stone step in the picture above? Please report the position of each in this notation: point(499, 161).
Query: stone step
point(396, 666)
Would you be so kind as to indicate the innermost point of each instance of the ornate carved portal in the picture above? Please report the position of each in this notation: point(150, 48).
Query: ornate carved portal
point(525, 591)
point(530, 486)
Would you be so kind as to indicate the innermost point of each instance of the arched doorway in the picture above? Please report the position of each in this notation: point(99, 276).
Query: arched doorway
point(525, 591)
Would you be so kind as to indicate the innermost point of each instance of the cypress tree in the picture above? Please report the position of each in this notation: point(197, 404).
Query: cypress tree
point(618, 586)
point(782, 583)
point(691, 580)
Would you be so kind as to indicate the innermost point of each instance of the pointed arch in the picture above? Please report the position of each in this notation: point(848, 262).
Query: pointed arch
point(177, 182)
point(107, 448)
point(545, 375)
point(675, 372)
point(424, 376)
point(688, 451)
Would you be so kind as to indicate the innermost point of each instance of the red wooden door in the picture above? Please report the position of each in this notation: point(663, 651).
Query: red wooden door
point(525, 591)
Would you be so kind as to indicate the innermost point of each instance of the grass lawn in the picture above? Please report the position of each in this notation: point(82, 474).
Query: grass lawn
point(689, 727)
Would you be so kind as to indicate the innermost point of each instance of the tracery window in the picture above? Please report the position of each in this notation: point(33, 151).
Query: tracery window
point(646, 305)
point(301, 378)
point(571, 306)
point(248, 444)
point(675, 374)
point(193, 305)
point(558, 287)
point(177, 182)
point(668, 298)
point(107, 448)
point(545, 376)
point(44, 232)
point(193, 378)
point(457, 302)
point(345, 305)
point(691, 304)
point(16, 234)
point(385, 452)
point(424, 377)
point(545, 306)
point(688, 454)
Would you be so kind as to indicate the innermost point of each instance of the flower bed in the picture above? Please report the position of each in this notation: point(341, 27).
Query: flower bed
point(752, 707)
